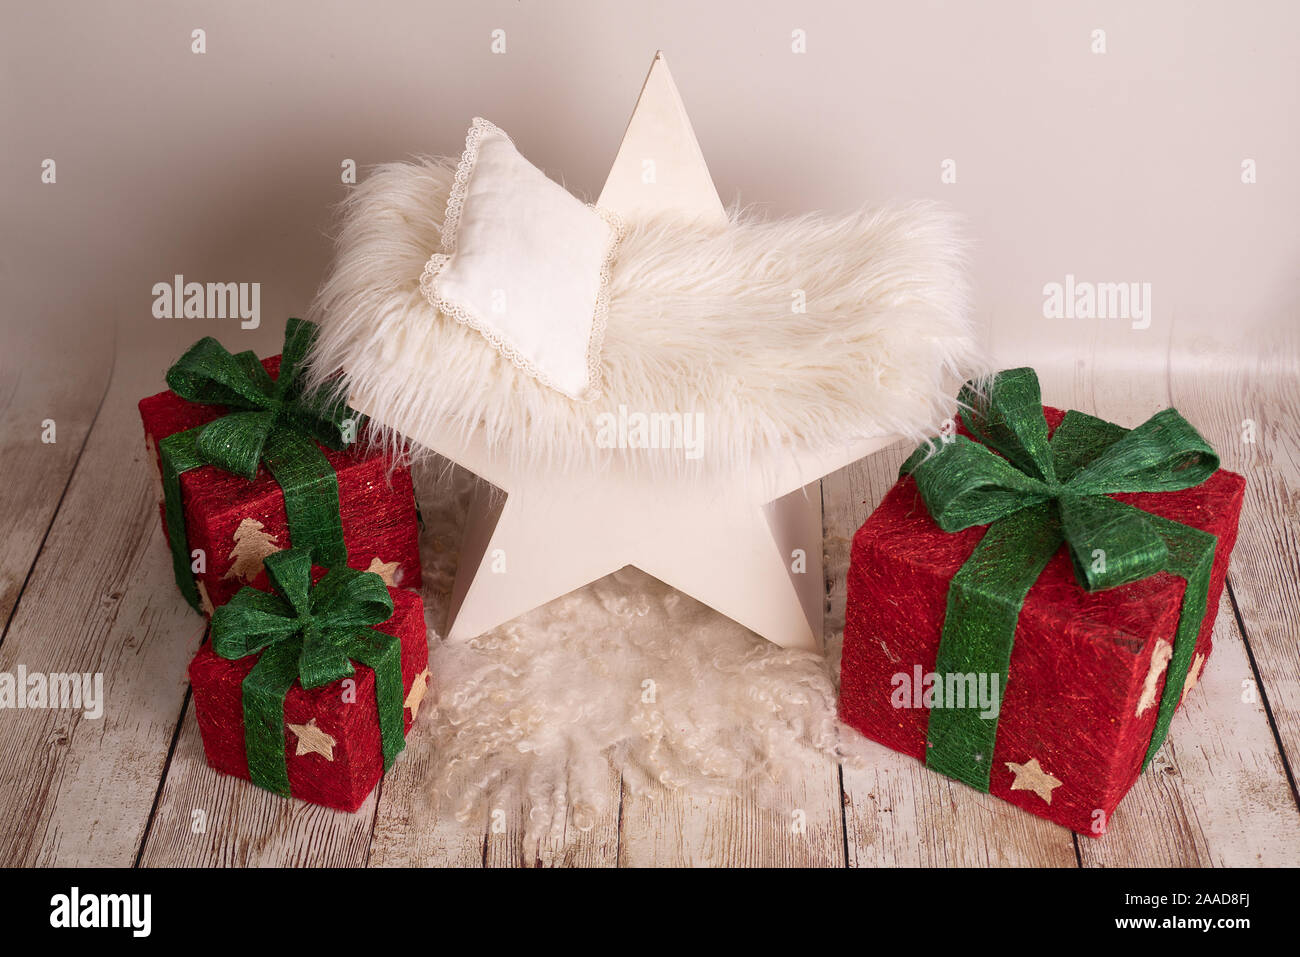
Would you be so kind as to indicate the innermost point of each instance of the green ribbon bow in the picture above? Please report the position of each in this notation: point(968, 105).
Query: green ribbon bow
point(311, 634)
point(270, 421)
point(1034, 496)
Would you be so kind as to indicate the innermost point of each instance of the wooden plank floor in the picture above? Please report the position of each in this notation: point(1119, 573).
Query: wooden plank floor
point(85, 586)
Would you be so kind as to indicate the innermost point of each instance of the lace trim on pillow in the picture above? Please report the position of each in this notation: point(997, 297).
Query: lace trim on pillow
point(451, 227)
point(478, 129)
point(600, 317)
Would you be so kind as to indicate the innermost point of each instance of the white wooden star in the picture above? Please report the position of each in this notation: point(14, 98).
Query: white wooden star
point(419, 687)
point(385, 570)
point(730, 546)
point(312, 740)
point(1030, 776)
point(1160, 656)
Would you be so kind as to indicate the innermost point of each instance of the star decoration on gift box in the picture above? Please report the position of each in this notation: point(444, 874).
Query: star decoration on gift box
point(1193, 676)
point(1160, 659)
point(312, 740)
point(205, 603)
point(1030, 776)
point(385, 570)
point(419, 687)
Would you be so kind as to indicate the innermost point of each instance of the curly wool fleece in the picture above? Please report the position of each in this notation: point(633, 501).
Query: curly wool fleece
point(624, 675)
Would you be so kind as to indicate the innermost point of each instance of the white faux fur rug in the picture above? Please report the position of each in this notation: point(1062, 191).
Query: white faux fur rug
point(774, 334)
point(625, 673)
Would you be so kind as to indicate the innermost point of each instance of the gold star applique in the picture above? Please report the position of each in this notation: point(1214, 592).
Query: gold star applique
point(1193, 676)
point(312, 740)
point(1031, 777)
point(385, 570)
point(205, 603)
point(418, 689)
point(1159, 662)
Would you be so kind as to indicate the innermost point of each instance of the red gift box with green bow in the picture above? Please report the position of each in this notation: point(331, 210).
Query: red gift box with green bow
point(250, 463)
point(1033, 600)
point(309, 689)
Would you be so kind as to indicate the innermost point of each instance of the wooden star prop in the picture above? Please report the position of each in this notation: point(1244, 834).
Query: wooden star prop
point(419, 687)
point(1151, 686)
point(312, 740)
point(752, 552)
point(1031, 777)
point(1193, 676)
point(385, 570)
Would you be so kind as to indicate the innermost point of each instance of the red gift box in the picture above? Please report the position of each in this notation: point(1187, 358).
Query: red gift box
point(332, 740)
point(1080, 704)
point(235, 521)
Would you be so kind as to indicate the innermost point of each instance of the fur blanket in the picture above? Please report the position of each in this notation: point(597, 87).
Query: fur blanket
point(771, 334)
point(624, 676)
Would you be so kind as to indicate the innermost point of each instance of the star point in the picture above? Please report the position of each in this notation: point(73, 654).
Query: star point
point(385, 570)
point(1193, 676)
point(1030, 776)
point(1150, 687)
point(205, 603)
point(312, 740)
point(419, 687)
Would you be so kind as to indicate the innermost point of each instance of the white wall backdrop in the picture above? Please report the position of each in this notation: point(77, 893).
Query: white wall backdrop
point(1123, 166)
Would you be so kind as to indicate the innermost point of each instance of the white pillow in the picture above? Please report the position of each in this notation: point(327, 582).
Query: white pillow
point(525, 263)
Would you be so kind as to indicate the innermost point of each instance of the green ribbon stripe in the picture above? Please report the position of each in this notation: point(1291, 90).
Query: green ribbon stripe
point(1036, 495)
point(310, 634)
point(271, 422)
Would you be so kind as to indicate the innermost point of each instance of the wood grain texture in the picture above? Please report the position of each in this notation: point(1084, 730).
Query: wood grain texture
point(38, 383)
point(898, 813)
point(575, 837)
point(207, 819)
point(802, 827)
point(410, 829)
point(1250, 414)
point(100, 599)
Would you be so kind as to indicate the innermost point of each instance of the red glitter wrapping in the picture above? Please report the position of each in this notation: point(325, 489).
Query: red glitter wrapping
point(376, 499)
point(350, 718)
point(1079, 661)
